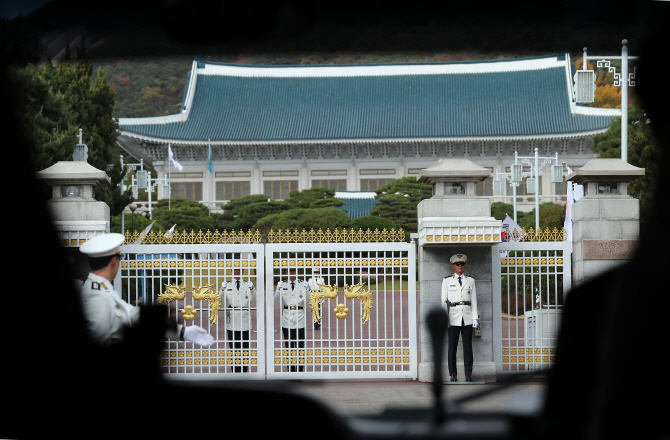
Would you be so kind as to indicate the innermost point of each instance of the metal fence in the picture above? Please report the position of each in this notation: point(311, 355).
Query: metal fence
point(534, 278)
point(367, 302)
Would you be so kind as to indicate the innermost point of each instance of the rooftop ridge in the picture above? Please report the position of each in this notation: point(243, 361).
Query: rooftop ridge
point(428, 63)
point(369, 70)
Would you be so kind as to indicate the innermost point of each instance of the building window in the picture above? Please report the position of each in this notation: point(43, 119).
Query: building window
point(280, 173)
point(279, 189)
point(414, 170)
point(185, 175)
point(337, 185)
point(231, 190)
point(373, 184)
point(233, 174)
point(187, 190)
point(329, 172)
point(377, 171)
point(485, 187)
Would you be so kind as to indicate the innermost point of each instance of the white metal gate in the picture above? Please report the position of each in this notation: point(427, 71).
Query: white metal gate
point(528, 301)
point(367, 331)
point(187, 277)
point(372, 284)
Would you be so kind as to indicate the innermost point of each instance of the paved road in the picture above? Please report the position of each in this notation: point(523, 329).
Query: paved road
point(373, 397)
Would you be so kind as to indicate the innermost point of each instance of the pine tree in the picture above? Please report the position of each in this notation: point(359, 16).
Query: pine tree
point(643, 151)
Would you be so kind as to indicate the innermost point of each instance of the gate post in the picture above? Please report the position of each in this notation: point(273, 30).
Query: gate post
point(77, 216)
point(456, 220)
point(606, 221)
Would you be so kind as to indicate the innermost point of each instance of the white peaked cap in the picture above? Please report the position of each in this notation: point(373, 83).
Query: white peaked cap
point(102, 245)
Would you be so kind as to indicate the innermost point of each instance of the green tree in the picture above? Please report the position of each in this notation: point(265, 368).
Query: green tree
point(232, 209)
point(188, 215)
point(373, 222)
point(111, 194)
point(141, 222)
point(249, 215)
point(551, 216)
point(500, 210)
point(299, 219)
point(643, 151)
point(314, 198)
point(44, 116)
point(398, 201)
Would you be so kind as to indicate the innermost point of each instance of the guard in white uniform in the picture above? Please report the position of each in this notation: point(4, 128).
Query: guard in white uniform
point(237, 295)
point(459, 297)
point(294, 296)
point(106, 313)
point(313, 282)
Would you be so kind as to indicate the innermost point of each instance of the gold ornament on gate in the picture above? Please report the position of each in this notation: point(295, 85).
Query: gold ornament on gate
point(189, 313)
point(364, 296)
point(171, 293)
point(341, 311)
point(315, 299)
point(214, 299)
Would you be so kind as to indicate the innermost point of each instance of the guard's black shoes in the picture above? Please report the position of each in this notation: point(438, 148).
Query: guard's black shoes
point(454, 379)
point(317, 327)
point(468, 378)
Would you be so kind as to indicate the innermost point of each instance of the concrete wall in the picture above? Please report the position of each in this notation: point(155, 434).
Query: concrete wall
point(614, 219)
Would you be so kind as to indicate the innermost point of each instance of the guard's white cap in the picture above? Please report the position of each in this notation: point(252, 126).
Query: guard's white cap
point(102, 245)
point(458, 258)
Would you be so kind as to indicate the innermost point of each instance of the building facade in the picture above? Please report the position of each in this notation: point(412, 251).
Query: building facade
point(354, 128)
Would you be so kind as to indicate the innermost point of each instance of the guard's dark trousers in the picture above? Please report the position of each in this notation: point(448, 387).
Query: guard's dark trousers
point(453, 335)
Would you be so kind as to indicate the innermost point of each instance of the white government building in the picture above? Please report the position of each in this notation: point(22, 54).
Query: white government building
point(354, 128)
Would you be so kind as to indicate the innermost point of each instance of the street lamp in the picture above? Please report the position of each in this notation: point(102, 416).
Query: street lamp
point(516, 175)
point(585, 87)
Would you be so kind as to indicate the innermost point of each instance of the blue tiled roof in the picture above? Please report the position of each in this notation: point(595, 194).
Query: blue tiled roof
point(226, 107)
point(357, 207)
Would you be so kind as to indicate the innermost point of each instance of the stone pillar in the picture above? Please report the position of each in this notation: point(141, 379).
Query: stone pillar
point(76, 215)
point(606, 221)
point(455, 220)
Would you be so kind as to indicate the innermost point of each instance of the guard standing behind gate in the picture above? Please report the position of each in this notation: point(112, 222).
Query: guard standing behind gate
point(294, 296)
point(238, 294)
point(459, 297)
point(106, 313)
point(313, 286)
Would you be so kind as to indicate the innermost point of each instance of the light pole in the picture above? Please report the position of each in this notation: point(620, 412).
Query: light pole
point(585, 87)
point(517, 174)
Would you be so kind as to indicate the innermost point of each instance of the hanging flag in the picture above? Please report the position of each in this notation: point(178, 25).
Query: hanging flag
point(574, 193)
point(209, 156)
point(168, 234)
point(176, 164)
point(511, 225)
point(144, 233)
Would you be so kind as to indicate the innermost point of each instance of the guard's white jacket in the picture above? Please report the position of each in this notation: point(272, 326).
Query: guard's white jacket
point(107, 313)
point(237, 304)
point(292, 317)
point(455, 293)
point(313, 283)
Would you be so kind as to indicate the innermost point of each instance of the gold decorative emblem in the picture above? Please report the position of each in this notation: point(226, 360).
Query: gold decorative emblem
point(171, 293)
point(189, 313)
point(364, 296)
point(341, 311)
point(315, 298)
point(214, 299)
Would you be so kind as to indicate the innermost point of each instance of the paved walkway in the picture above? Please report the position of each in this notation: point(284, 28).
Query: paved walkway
point(373, 397)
